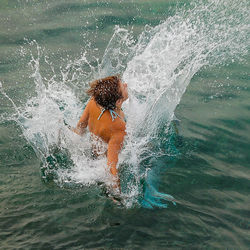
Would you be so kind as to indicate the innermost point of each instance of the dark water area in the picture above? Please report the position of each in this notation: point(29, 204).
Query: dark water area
point(202, 161)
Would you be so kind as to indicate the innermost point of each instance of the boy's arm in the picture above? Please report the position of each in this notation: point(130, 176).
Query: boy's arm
point(114, 148)
point(83, 122)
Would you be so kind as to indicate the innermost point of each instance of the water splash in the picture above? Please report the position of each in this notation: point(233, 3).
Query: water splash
point(164, 60)
point(167, 57)
point(158, 67)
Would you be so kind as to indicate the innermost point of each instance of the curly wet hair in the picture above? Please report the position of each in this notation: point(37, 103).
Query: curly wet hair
point(106, 91)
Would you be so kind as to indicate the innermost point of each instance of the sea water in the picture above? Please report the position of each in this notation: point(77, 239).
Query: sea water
point(158, 63)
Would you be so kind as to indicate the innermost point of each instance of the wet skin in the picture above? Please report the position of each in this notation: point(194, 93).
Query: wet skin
point(111, 132)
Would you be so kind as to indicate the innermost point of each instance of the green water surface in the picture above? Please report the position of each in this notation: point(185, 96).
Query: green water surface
point(210, 179)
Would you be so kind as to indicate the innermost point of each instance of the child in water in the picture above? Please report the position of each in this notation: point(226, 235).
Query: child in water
point(105, 119)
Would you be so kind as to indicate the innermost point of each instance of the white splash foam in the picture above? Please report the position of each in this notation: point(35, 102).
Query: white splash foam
point(157, 68)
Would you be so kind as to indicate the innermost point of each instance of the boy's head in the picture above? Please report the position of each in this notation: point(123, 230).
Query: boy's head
point(106, 91)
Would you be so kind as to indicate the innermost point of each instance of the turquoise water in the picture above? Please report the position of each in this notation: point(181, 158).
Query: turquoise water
point(185, 165)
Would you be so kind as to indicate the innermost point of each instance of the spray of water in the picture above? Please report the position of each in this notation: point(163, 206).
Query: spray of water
point(158, 66)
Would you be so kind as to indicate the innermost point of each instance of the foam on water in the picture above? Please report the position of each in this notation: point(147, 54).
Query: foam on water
point(158, 67)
